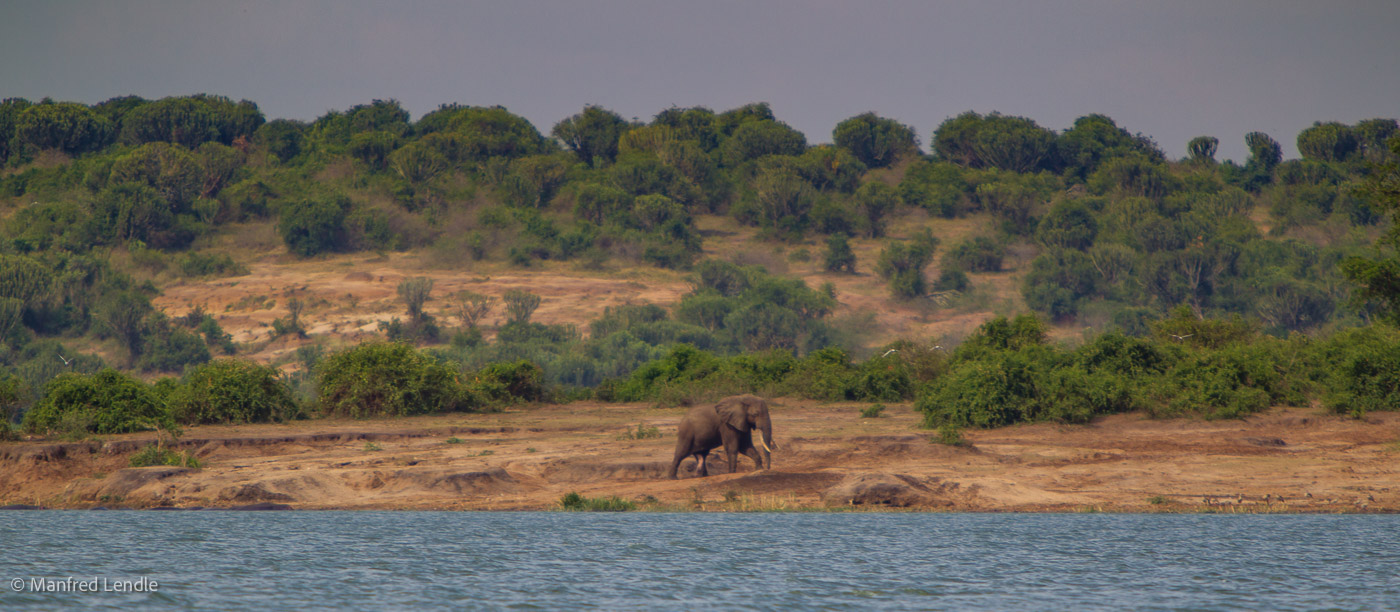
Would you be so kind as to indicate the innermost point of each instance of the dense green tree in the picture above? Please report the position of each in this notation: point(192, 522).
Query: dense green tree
point(977, 254)
point(315, 226)
point(755, 139)
point(64, 126)
point(697, 124)
point(478, 133)
point(830, 168)
point(108, 402)
point(520, 305)
point(875, 201)
point(1327, 142)
point(939, 187)
point(1068, 225)
point(10, 109)
point(191, 121)
point(1095, 139)
point(373, 148)
point(282, 138)
point(387, 379)
point(783, 200)
point(1371, 138)
point(1058, 282)
point(838, 255)
point(232, 391)
point(1379, 274)
point(592, 134)
point(1202, 148)
point(875, 141)
point(727, 122)
point(173, 171)
point(902, 264)
point(994, 141)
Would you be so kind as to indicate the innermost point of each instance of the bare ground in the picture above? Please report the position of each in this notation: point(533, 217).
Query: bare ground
point(1288, 460)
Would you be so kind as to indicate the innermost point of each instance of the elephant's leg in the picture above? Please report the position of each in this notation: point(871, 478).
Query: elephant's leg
point(756, 455)
point(676, 463)
point(700, 467)
point(731, 454)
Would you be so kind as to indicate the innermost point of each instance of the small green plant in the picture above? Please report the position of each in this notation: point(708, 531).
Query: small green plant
point(731, 495)
point(1158, 500)
point(642, 432)
point(872, 411)
point(485, 453)
point(574, 502)
point(371, 447)
point(530, 450)
point(950, 435)
point(156, 455)
point(454, 440)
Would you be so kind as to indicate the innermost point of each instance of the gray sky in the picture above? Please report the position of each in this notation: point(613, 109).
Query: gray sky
point(1171, 70)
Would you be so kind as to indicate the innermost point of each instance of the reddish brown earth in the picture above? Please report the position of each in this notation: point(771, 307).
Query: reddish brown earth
point(1288, 460)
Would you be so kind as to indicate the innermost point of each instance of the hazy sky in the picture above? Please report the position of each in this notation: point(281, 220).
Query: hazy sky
point(1171, 70)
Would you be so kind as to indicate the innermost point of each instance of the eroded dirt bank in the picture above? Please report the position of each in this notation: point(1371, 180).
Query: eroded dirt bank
point(1289, 460)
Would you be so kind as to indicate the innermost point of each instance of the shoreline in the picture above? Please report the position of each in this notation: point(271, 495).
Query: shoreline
point(1286, 461)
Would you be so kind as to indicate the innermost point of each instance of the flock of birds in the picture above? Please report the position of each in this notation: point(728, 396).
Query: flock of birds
point(1269, 499)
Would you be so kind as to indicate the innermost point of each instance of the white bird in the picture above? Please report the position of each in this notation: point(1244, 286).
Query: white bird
point(1180, 338)
point(66, 361)
point(887, 353)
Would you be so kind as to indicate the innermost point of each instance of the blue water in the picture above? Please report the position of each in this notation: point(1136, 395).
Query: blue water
point(551, 561)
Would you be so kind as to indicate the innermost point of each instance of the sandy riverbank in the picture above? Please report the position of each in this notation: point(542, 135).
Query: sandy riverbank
point(1288, 460)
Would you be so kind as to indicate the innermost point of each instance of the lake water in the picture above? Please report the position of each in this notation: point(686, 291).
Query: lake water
point(551, 561)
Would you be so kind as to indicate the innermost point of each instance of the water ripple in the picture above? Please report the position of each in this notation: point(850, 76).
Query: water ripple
point(533, 561)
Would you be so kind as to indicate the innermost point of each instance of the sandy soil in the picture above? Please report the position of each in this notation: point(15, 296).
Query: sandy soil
point(1289, 460)
point(346, 297)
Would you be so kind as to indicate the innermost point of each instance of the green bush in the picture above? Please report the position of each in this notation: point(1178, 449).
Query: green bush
point(1365, 372)
point(979, 254)
point(387, 379)
point(506, 383)
point(315, 226)
point(209, 264)
point(107, 402)
point(232, 391)
point(577, 503)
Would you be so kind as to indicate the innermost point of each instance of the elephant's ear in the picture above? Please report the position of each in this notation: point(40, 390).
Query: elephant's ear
point(734, 413)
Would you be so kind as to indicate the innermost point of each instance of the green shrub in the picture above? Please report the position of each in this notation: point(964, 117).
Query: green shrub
point(873, 411)
point(642, 432)
point(202, 264)
point(107, 402)
point(507, 383)
point(232, 391)
point(577, 503)
point(387, 379)
point(980, 254)
point(315, 226)
point(950, 435)
point(1364, 372)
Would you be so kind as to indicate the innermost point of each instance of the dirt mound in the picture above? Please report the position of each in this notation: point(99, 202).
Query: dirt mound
point(252, 493)
point(125, 483)
point(492, 481)
point(568, 471)
point(898, 490)
point(771, 482)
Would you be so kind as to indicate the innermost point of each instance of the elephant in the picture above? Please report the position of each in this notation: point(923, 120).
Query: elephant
point(729, 423)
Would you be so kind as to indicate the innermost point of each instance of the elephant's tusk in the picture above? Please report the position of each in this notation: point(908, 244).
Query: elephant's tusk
point(763, 444)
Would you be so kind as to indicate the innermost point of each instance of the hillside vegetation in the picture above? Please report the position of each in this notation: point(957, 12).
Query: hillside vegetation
point(727, 254)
